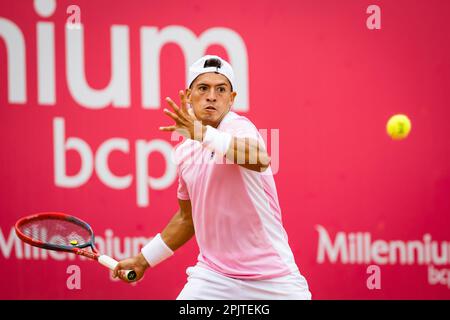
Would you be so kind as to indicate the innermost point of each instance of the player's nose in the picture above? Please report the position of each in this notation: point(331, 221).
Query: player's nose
point(211, 95)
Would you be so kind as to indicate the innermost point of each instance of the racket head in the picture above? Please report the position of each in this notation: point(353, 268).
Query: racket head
point(55, 231)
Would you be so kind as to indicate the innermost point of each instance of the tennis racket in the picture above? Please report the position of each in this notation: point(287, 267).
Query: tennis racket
point(61, 232)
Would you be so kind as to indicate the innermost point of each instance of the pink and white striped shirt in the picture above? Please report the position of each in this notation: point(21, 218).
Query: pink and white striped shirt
point(236, 215)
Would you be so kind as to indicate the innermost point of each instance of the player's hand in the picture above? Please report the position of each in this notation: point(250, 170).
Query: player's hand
point(185, 121)
point(137, 263)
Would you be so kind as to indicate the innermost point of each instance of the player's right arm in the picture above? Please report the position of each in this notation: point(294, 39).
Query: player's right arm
point(180, 228)
point(177, 232)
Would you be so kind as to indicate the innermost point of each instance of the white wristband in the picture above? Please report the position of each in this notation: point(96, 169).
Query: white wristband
point(156, 251)
point(217, 141)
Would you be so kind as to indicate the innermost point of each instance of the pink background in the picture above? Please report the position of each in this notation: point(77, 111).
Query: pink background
point(316, 73)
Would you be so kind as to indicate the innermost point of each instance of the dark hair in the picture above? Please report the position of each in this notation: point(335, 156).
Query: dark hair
point(213, 62)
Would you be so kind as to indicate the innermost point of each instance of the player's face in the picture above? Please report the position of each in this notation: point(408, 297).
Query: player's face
point(211, 97)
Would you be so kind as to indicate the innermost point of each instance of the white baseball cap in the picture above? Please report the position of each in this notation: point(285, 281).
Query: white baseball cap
point(210, 63)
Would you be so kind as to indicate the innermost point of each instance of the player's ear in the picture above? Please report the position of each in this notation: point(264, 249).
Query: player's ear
point(233, 96)
point(188, 95)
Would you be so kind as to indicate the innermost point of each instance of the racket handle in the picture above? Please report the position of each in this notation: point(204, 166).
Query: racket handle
point(110, 263)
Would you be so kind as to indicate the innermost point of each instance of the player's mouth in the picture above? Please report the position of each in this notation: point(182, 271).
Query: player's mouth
point(210, 108)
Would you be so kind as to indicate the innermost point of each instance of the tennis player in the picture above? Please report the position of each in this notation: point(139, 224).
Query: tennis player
point(227, 199)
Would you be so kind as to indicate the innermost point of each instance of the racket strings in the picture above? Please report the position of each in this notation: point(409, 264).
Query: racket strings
point(56, 231)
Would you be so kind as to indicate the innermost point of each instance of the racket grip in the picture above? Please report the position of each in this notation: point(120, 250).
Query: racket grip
point(110, 263)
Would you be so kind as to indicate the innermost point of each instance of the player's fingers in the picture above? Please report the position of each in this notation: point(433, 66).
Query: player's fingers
point(174, 106)
point(119, 273)
point(168, 128)
point(116, 270)
point(183, 100)
point(122, 275)
point(172, 115)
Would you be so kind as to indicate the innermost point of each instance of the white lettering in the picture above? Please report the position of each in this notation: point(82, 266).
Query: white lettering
point(15, 54)
point(117, 92)
point(357, 248)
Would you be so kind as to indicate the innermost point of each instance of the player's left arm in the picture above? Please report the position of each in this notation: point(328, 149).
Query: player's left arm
point(248, 153)
point(244, 151)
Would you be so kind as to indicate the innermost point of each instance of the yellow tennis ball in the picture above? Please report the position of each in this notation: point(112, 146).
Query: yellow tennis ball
point(398, 126)
point(73, 242)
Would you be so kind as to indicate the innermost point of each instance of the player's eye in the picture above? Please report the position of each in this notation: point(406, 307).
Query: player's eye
point(202, 88)
point(221, 89)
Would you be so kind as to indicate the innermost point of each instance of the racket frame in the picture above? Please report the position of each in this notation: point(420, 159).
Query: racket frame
point(79, 249)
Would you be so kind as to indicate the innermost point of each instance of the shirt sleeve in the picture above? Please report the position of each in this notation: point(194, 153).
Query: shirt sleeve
point(182, 191)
